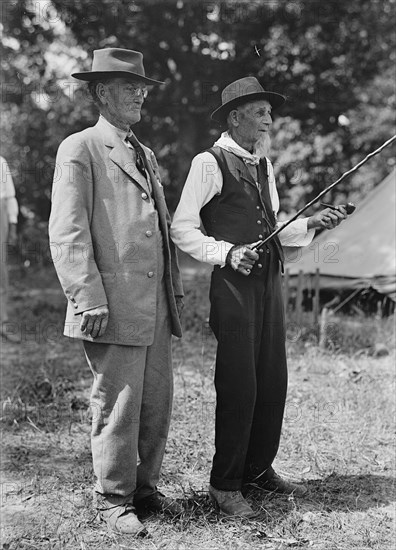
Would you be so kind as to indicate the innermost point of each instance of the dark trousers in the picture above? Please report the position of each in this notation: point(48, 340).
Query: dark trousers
point(247, 318)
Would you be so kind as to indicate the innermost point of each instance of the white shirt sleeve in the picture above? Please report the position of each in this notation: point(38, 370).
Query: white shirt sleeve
point(12, 210)
point(7, 191)
point(295, 234)
point(203, 182)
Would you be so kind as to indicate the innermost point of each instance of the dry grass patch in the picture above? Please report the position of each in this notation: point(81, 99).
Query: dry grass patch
point(337, 437)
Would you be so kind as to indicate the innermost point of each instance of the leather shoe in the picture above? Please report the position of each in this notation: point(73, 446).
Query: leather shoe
point(231, 503)
point(119, 516)
point(272, 482)
point(157, 502)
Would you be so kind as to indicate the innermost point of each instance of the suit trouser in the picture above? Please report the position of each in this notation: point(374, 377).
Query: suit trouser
point(131, 403)
point(247, 318)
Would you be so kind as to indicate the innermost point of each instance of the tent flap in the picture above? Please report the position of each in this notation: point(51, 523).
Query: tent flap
point(361, 252)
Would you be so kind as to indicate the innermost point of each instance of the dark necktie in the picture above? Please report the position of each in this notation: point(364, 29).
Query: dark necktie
point(141, 160)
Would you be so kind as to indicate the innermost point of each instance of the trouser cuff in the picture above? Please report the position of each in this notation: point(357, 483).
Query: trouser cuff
point(105, 499)
point(222, 484)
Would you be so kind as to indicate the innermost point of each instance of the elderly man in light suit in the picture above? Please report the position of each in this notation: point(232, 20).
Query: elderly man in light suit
point(118, 268)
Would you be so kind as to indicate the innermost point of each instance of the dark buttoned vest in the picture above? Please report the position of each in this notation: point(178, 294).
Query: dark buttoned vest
point(242, 213)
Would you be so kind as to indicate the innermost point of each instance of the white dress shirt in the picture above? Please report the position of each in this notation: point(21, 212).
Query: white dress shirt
point(204, 181)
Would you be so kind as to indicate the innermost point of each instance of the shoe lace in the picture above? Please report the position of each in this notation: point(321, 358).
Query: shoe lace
point(128, 507)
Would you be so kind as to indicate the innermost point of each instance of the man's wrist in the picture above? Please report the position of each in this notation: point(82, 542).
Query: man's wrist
point(312, 223)
point(229, 254)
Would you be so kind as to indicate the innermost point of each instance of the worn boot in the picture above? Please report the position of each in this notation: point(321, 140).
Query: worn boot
point(231, 503)
point(272, 482)
point(119, 516)
point(157, 503)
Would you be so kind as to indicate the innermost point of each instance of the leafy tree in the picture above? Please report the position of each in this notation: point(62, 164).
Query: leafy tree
point(334, 62)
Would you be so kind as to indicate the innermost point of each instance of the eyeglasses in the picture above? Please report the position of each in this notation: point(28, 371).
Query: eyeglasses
point(136, 91)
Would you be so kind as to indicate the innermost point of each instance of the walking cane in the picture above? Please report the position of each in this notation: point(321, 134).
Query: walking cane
point(350, 206)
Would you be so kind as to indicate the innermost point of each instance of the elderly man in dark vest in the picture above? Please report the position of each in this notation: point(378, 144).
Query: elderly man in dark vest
point(231, 189)
point(118, 269)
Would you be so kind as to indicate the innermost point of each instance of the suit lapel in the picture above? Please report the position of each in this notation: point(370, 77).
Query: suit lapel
point(122, 157)
point(120, 154)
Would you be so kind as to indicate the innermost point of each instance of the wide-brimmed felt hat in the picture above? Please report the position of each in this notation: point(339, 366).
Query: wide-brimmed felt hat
point(115, 63)
point(242, 91)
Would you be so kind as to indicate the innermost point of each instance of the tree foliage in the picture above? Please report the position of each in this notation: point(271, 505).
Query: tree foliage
point(334, 61)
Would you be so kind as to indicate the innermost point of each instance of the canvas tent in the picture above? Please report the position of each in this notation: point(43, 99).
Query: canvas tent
point(358, 254)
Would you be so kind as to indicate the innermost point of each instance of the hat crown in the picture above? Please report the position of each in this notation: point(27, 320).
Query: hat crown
point(116, 63)
point(118, 60)
point(244, 90)
point(241, 88)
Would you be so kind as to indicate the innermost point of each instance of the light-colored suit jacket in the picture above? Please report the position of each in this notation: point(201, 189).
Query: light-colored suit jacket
point(102, 237)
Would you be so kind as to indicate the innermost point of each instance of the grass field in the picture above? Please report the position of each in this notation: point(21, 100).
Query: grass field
point(338, 437)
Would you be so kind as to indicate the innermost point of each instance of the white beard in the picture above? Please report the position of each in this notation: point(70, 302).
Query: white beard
point(262, 146)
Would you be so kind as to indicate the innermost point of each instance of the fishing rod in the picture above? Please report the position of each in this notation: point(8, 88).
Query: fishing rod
point(322, 193)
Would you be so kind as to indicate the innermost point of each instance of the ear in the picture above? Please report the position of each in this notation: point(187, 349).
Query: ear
point(101, 93)
point(233, 118)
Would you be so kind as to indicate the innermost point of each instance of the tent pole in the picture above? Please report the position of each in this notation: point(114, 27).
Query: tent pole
point(316, 301)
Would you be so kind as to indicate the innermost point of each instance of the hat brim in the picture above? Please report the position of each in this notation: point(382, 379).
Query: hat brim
point(97, 75)
point(220, 114)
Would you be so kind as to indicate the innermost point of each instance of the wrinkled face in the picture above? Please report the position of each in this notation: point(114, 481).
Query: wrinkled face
point(122, 99)
point(252, 120)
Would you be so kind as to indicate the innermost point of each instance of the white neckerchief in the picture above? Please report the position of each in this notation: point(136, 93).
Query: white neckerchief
point(226, 142)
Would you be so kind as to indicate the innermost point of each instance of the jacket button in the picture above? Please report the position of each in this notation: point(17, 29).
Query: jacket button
point(261, 237)
point(259, 222)
point(261, 250)
point(258, 208)
point(75, 306)
point(260, 265)
point(144, 196)
point(149, 233)
point(150, 274)
point(267, 251)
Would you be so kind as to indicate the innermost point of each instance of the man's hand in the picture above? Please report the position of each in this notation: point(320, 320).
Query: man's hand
point(241, 258)
point(327, 218)
point(94, 321)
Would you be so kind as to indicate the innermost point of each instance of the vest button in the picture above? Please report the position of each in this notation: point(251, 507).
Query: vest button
point(260, 265)
point(144, 196)
point(259, 222)
point(261, 237)
point(150, 274)
point(149, 233)
point(75, 306)
point(258, 208)
point(261, 250)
